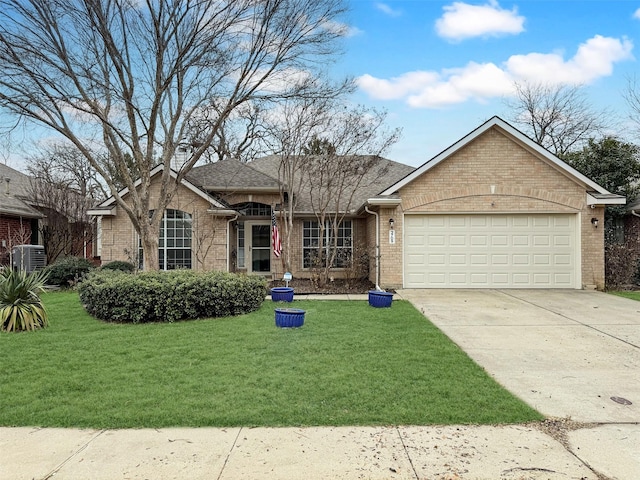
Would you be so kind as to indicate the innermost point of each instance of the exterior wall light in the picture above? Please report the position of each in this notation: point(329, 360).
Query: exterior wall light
point(594, 222)
point(391, 222)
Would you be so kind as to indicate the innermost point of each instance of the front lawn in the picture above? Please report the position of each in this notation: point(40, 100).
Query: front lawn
point(628, 294)
point(350, 364)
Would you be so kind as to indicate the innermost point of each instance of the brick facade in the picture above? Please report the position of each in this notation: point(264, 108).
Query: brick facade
point(13, 231)
point(119, 240)
point(495, 174)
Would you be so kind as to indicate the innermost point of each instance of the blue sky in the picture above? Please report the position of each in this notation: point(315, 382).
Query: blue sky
point(442, 68)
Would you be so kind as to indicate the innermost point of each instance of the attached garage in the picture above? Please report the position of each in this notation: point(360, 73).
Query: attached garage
point(491, 251)
point(493, 210)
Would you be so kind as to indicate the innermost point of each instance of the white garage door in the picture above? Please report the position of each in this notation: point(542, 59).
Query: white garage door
point(490, 251)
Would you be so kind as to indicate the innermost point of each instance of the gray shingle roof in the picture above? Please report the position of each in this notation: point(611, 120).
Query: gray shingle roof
point(232, 175)
point(14, 196)
point(383, 172)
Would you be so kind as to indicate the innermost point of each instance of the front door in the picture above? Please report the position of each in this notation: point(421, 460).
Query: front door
point(259, 247)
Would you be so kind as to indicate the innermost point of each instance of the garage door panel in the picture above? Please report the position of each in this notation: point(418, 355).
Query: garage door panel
point(541, 241)
point(520, 241)
point(458, 240)
point(478, 240)
point(478, 221)
point(484, 251)
point(436, 240)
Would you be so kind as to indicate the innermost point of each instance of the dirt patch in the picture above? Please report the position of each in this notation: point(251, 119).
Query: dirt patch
point(558, 428)
point(304, 286)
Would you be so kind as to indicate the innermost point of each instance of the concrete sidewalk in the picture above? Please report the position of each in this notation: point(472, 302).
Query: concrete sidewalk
point(477, 452)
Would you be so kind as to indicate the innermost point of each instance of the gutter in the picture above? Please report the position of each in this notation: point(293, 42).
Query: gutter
point(366, 208)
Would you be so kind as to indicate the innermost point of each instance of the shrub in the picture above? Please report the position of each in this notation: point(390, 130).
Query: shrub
point(20, 305)
point(68, 271)
point(621, 266)
point(119, 265)
point(116, 296)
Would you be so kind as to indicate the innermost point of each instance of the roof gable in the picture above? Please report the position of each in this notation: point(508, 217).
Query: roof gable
point(517, 136)
point(155, 171)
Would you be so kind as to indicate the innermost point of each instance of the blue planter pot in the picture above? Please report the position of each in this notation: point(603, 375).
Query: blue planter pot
point(289, 317)
point(282, 294)
point(380, 299)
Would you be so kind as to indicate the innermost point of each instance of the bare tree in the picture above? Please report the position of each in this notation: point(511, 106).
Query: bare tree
point(129, 78)
point(632, 97)
point(287, 131)
point(339, 165)
point(64, 187)
point(66, 167)
point(559, 118)
point(239, 136)
point(327, 154)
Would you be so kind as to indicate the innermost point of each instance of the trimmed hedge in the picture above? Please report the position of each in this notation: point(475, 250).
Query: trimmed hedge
point(115, 296)
point(119, 265)
point(68, 271)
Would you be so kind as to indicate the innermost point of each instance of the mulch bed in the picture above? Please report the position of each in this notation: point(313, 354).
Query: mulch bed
point(304, 286)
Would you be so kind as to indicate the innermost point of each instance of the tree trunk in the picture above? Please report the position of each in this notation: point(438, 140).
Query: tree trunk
point(150, 244)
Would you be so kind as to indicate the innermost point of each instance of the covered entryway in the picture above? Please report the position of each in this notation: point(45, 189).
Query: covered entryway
point(259, 246)
point(491, 251)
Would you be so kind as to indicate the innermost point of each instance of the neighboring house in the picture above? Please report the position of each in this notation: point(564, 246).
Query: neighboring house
point(18, 218)
point(33, 212)
point(494, 210)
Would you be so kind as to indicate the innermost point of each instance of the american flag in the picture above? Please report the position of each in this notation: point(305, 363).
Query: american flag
point(275, 236)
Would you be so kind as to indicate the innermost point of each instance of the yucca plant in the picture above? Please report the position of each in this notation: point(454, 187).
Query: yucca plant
point(20, 305)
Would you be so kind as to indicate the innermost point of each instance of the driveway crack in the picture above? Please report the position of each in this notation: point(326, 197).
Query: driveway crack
point(559, 428)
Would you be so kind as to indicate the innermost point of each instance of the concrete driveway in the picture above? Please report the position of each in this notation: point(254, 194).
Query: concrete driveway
point(567, 353)
point(564, 352)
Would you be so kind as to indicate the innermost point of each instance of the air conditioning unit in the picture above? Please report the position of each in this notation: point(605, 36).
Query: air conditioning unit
point(28, 257)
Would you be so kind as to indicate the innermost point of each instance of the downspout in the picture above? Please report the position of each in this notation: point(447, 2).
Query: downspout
point(366, 208)
point(228, 238)
point(634, 213)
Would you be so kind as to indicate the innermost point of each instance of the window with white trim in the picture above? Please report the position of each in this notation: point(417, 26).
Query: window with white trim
point(311, 242)
point(174, 242)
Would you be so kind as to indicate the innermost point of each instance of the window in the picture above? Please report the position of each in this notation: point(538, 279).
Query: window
point(174, 243)
point(241, 250)
point(253, 209)
point(311, 241)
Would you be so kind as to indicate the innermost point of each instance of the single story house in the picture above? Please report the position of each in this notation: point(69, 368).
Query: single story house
point(494, 210)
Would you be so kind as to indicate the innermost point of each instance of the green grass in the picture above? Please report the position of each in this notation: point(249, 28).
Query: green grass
point(628, 294)
point(350, 364)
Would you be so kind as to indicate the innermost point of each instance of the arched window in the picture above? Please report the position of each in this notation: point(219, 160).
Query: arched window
point(174, 242)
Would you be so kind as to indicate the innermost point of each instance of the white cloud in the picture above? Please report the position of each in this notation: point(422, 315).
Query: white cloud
point(594, 58)
point(462, 20)
point(397, 87)
point(387, 10)
point(636, 14)
point(342, 29)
